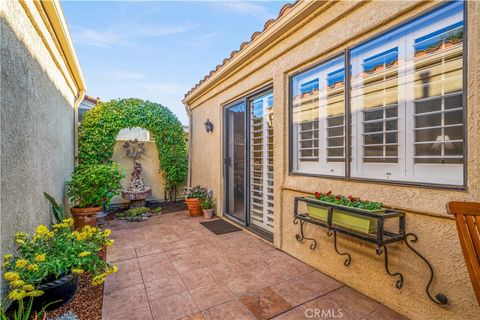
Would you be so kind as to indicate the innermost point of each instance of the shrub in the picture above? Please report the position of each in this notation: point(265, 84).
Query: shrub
point(100, 126)
point(49, 254)
point(94, 185)
point(208, 203)
point(134, 212)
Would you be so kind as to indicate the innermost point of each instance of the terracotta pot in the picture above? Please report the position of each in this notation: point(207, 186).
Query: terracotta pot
point(208, 213)
point(85, 216)
point(194, 208)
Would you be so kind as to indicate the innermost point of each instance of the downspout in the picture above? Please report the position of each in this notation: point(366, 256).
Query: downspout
point(190, 135)
point(78, 100)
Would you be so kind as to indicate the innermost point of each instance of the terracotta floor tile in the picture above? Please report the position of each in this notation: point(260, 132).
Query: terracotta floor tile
point(173, 307)
point(322, 283)
point(128, 274)
point(265, 303)
point(195, 316)
point(224, 270)
point(125, 299)
point(158, 258)
point(197, 278)
point(140, 313)
point(170, 246)
point(296, 291)
point(190, 264)
point(156, 267)
point(164, 287)
point(211, 295)
point(118, 253)
point(273, 274)
point(232, 310)
point(244, 284)
point(353, 301)
point(384, 313)
point(146, 248)
point(172, 237)
point(180, 254)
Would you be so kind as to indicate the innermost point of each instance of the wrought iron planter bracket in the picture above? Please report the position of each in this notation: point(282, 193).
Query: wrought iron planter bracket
point(301, 236)
point(348, 259)
point(381, 239)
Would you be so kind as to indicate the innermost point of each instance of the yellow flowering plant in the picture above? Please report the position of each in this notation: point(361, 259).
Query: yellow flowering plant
point(49, 254)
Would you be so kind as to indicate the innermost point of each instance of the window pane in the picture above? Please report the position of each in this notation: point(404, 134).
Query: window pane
point(407, 101)
point(318, 119)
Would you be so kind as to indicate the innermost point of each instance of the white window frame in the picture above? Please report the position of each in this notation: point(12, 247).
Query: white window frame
point(405, 171)
point(320, 166)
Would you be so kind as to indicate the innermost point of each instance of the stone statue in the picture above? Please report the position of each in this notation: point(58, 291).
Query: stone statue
point(137, 180)
point(137, 192)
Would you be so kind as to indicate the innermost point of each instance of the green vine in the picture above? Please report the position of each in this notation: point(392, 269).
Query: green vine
point(101, 125)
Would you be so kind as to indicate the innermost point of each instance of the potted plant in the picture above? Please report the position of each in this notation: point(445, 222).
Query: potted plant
point(208, 207)
point(193, 197)
point(343, 216)
point(90, 188)
point(47, 264)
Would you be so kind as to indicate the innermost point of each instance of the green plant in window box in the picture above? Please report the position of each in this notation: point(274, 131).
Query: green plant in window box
point(345, 218)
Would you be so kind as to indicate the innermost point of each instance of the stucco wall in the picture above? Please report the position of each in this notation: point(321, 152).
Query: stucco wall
point(36, 119)
point(150, 164)
point(328, 31)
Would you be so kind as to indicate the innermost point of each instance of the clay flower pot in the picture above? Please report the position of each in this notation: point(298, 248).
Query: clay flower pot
point(208, 213)
point(85, 216)
point(194, 208)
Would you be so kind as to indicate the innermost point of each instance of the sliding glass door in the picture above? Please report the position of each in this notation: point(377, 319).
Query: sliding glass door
point(235, 161)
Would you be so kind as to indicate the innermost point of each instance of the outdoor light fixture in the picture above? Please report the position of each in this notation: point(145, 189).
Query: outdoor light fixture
point(208, 125)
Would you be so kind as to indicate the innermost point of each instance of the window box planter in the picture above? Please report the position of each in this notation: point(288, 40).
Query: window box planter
point(344, 217)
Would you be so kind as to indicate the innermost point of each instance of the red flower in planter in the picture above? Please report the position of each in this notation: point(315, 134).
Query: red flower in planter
point(352, 199)
point(317, 194)
point(329, 193)
point(338, 197)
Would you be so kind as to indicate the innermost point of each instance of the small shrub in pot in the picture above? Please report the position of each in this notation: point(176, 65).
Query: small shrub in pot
point(90, 188)
point(193, 197)
point(46, 266)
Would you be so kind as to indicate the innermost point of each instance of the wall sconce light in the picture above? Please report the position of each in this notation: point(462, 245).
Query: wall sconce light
point(208, 125)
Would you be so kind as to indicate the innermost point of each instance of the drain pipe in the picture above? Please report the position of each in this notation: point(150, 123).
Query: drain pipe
point(78, 100)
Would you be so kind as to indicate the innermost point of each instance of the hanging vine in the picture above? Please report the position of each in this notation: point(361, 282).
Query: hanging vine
point(100, 126)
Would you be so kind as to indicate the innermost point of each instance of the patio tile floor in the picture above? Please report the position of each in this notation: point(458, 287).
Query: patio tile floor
point(171, 267)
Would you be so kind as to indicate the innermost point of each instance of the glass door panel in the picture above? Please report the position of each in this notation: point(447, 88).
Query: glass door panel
point(261, 162)
point(235, 161)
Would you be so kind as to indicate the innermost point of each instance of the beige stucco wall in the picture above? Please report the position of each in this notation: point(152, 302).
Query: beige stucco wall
point(150, 164)
point(37, 128)
point(328, 31)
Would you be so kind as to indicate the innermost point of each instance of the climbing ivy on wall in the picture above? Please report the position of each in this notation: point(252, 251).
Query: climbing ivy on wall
point(101, 125)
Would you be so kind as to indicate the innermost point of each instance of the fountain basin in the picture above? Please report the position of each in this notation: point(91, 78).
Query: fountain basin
point(137, 198)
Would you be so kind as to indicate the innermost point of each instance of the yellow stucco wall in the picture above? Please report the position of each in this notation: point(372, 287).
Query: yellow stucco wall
point(328, 30)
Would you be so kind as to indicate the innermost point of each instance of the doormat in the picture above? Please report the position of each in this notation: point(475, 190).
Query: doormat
point(220, 226)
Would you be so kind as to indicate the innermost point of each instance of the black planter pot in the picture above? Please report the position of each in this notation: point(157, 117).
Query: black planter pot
point(62, 290)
